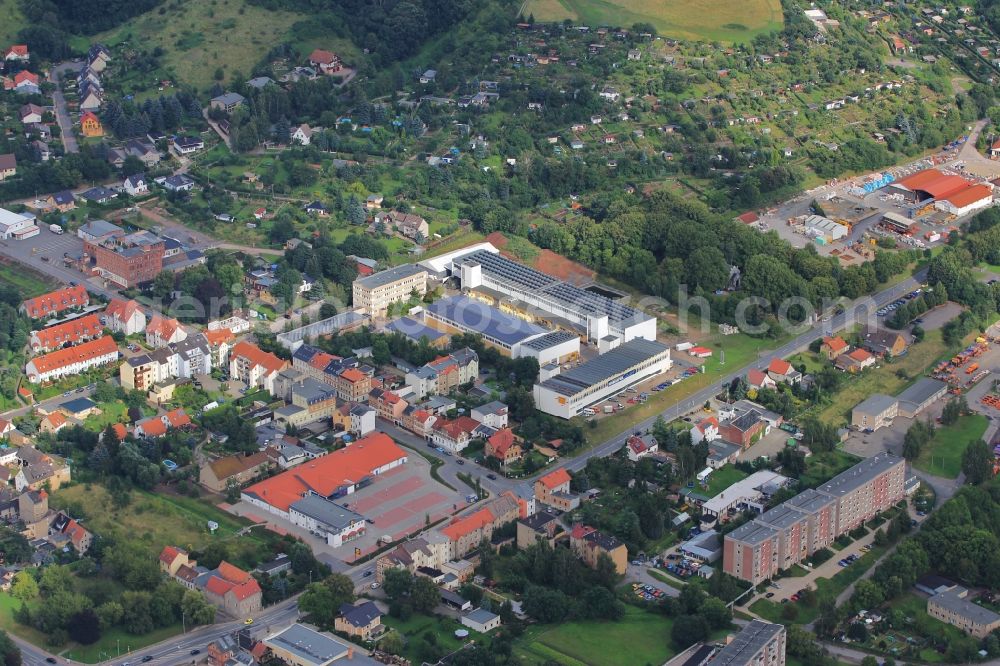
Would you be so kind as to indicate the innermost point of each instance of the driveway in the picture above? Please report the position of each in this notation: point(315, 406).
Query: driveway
point(69, 142)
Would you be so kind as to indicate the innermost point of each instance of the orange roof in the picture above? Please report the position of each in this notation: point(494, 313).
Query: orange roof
point(860, 355)
point(836, 344)
point(322, 57)
point(934, 182)
point(779, 366)
point(996, 145)
point(218, 586)
point(247, 589)
point(56, 301)
point(25, 75)
point(219, 335)
point(120, 430)
point(555, 478)
point(18, 49)
point(461, 527)
point(156, 426)
point(169, 554)
point(970, 195)
point(501, 441)
point(152, 427)
point(233, 573)
point(258, 356)
point(71, 331)
point(707, 422)
point(353, 375)
point(177, 418)
point(757, 378)
point(85, 352)
point(421, 415)
point(326, 474)
point(454, 428)
point(55, 419)
point(89, 116)
point(321, 359)
point(162, 326)
point(121, 309)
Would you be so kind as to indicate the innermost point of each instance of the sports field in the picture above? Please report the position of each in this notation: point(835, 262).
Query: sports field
point(708, 20)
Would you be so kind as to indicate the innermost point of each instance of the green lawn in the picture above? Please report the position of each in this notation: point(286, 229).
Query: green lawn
point(942, 456)
point(12, 22)
point(640, 637)
point(107, 647)
point(821, 467)
point(30, 283)
point(418, 626)
point(722, 478)
point(111, 412)
point(708, 20)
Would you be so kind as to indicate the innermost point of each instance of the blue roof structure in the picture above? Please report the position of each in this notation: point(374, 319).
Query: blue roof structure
point(78, 405)
point(477, 317)
point(415, 330)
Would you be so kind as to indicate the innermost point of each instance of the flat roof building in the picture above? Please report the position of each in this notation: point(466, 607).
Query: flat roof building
point(300, 645)
point(875, 412)
point(373, 294)
point(921, 395)
point(746, 493)
point(952, 606)
point(568, 393)
point(758, 644)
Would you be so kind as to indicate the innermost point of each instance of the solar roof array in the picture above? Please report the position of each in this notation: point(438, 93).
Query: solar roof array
point(481, 318)
point(568, 296)
point(605, 366)
point(550, 340)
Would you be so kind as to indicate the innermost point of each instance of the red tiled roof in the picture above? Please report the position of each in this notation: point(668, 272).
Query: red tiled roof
point(90, 116)
point(934, 182)
point(748, 218)
point(327, 473)
point(85, 352)
point(219, 335)
point(555, 478)
point(353, 375)
point(233, 573)
point(169, 554)
point(70, 331)
point(756, 377)
point(247, 589)
point(25, 75)
point(120, 430)
point(501, 441)
point(454, 428)
point(860, 355)
point(218, 586)
point(121, 309)
point(257, 356)
point(322, 57)
point(706, 422)
point(18, 49)
point(162, 327)
point(55, 419)
point(56, 301)
point(321, 359)
point(779, 366)
point(836, 344)
point(461, 527)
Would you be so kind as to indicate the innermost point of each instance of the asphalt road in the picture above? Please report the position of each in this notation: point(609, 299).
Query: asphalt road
point(62, 111)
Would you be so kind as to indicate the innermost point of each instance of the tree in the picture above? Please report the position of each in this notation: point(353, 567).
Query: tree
point(196, 608)
point(85, 627)
point(9, 651)
point(397, 583)
point(688, 630)
point(716, 613)
point(24, 588)
point(952, 410)
point(424, 595)
point(393, 643)
point(977, 462)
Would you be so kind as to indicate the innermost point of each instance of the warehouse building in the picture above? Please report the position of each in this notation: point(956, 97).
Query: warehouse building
point(568, 393)
point(592, 314)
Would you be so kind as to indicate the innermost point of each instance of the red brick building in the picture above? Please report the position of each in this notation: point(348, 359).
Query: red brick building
point(126, 260)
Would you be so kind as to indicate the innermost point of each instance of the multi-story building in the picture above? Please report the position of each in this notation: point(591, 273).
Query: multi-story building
point(66, 334)
point(161, 331)
point(795, 529)
point(589, 544)
point(444, 373)
point(126, 260)
point(374, 293)
point(759, 643)
point(54, 302)
point(308, 400)
point(430, 550)
point(454, 434)
point(388, 405)
point(349, 377)
point(466, 532)
point(553, 490)
point(72, 360)
point(253, 366)
point(185, 359)
point(123, 316)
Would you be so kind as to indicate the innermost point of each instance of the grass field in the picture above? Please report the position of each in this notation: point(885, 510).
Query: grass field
point(199, 37)
point(942, 456)
point(12, 21)
point(722, 478)
point(417, 626)
point(31, 283)
point(708, 20)
point(638, 638)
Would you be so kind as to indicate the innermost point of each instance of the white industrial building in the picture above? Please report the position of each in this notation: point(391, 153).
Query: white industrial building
point(16, 226)
point(594, 315)
point(567, 394)
point(973, 198)
point(824, 227)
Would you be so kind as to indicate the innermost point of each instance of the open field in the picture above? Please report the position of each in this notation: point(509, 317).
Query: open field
point(31, 283)
point(638, 638)
point(722, 478)
point(942, 456)
point(200, 37)
point(12, 21)
point(709, 20)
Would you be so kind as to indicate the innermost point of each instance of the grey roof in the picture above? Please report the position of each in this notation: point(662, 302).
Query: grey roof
point(605, 366)
point(809, 500)
point(383, 278)
point(360, 615)
point(562, 294)
point(748, 643)
point(922, 390)
point(753, 533)
point(860, 474)
point(308, 645)
point(326, 512)
point(312, 390)
point(782, 516)
point(539, 520)
point(78, 405)
point(481, 616)
point(259, 82)
point(494, 407)
point(876, 404)
point(550, 340)
point(229, 98)
point(478, 317)
point(746, 420)
point(954, 601)
point(414, 329)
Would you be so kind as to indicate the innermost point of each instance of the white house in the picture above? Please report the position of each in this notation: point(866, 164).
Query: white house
point(123, 316)
point(492, 414)
point(302, 134)
point(706, 430)
point(362, 419)
point(638, 447)
point(136, 185)
point(481, 620)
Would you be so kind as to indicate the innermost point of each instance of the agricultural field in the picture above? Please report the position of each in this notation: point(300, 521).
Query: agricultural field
point(709, 20)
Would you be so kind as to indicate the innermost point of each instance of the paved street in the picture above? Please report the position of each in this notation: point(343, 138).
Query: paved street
point(61, 109)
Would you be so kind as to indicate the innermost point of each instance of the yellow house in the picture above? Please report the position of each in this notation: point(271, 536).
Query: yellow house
point(90, 125)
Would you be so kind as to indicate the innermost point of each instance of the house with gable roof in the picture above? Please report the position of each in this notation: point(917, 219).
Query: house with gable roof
point(781, 371)
point(503, 446)
point(553, 490)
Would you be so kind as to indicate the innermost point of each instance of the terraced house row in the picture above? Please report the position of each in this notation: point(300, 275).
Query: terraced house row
point(794, 530)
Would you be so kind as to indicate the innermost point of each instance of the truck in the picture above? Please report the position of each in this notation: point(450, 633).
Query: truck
point(55, 228)
point(683, 346)
point(609, 409)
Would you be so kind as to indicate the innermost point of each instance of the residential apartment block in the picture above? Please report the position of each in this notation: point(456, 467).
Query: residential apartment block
point(66, 334)
point(759, 643)
point(589, 544)
point(52, 303)
point(72, 360)
point(794, 530)
point(953, 606)
point(178, 360)
point(123, 316)
point(466, 532)
point(253, 366)
point(351, 379)
point(444, 373)
point(374, 293)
